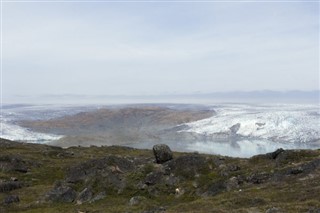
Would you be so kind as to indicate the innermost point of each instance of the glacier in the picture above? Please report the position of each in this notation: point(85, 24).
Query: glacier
point(17, 133)
point(10, 114)
point(278, 123)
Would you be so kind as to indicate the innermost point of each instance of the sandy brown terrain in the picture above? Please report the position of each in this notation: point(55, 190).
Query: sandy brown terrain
point(118, 125)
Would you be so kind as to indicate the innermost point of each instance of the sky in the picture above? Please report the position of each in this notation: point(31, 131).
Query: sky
point(158, 48)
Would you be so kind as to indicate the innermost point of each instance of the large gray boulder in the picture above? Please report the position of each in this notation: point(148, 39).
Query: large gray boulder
point(162, 153)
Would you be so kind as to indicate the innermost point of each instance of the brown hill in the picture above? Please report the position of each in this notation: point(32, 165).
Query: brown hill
point(117, 125)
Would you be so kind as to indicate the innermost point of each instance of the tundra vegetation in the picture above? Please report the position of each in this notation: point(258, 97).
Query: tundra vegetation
point(41, 178)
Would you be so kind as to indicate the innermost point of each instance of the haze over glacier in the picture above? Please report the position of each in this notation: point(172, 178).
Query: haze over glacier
point(234, 78)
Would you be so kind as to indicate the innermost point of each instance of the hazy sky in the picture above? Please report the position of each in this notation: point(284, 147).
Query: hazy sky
point(158, 48)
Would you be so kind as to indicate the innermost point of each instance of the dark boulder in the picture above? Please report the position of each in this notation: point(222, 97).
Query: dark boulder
point(274, 155)
point(11, 199)
point(162, 153)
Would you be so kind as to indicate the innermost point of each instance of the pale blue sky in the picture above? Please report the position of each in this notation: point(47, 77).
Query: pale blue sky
point(158, 48)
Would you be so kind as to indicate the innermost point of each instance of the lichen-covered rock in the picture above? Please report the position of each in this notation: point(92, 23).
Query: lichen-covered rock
point(274, 210)
point(13, 163)
point(313, 210)
point(99, 196)
point(109, 165)
point(162, 153)
point(258, 178)
point(232, 184)
point(11, 199)
point(215, 188)
point(153, 178)
point(187, 166)
point(62, 193)
point(84, 196)
point(156, 210)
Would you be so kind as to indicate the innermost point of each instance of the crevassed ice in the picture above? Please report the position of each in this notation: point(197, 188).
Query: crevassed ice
point(10, 131)
point(17, 133)
point(293, 123)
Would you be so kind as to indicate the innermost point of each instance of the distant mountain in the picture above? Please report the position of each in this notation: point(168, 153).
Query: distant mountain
point(264, 95)
point(292, 96)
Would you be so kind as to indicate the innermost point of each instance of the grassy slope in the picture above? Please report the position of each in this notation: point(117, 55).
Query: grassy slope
point(46, 164)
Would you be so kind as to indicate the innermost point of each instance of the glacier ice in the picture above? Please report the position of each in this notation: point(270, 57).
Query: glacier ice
point(283, 123)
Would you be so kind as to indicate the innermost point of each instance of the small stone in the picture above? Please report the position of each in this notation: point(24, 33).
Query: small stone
point(99, 196)
point(136, 200)
point(232, 184)
point(296, 171)
point(313, 210)
point(258, 178)
point(273, 210)
point(14, 179)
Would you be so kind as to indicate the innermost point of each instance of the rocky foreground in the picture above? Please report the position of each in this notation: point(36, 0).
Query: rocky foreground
point(41, 178)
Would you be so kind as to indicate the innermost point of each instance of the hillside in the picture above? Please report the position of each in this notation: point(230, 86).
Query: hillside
point(41, 178)
point(110, 126)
